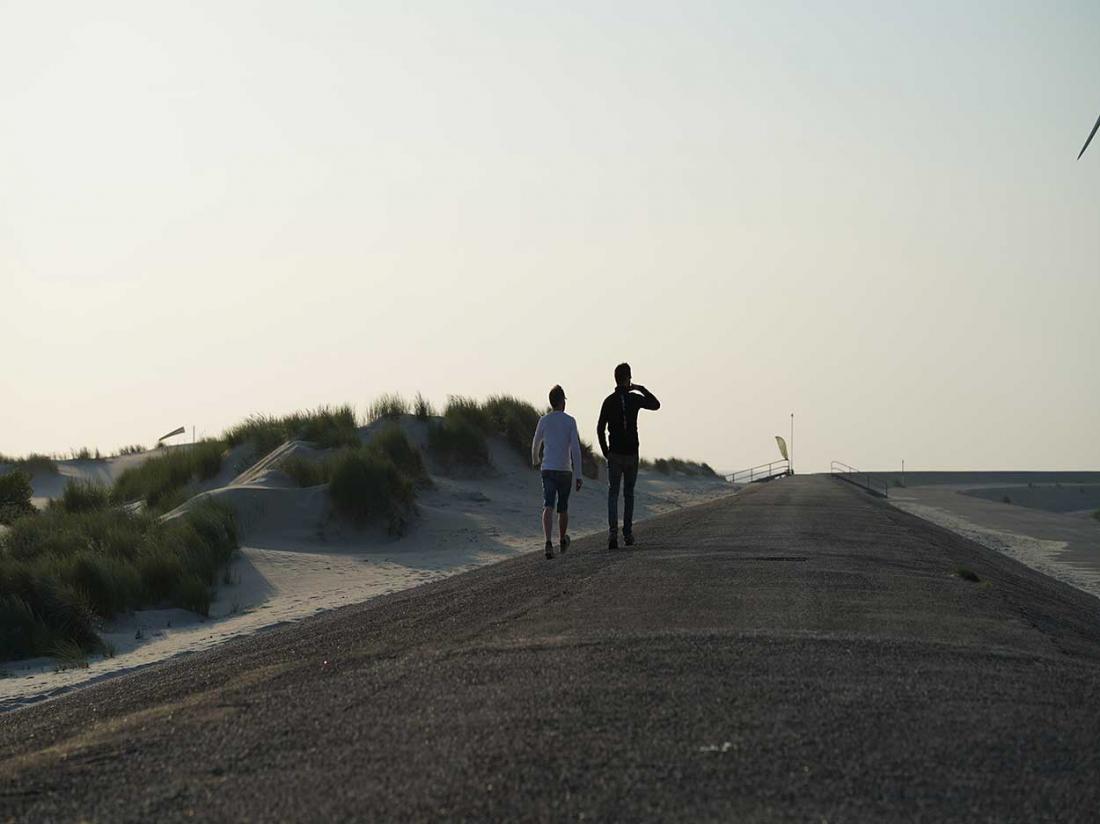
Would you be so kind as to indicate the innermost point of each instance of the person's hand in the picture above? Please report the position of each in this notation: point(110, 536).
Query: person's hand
point(637, 387)
point(535, 463)
point(580, 483)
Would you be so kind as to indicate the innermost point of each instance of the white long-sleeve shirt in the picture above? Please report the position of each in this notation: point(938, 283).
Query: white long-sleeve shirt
point(559, 432)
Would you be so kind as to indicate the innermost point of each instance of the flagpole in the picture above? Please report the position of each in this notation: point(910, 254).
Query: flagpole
point(792, 444)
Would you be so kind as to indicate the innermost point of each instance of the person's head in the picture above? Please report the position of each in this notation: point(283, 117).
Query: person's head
point(622, 374)
point(557, 399)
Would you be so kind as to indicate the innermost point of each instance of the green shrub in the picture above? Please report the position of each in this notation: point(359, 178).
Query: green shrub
point(367, 486)
point(388, 406)
point(15, 496)
point(163, 482)
point(1096, 514)
point(131, 449)
point(62, 571)
point(423, 408)
point(84, 495)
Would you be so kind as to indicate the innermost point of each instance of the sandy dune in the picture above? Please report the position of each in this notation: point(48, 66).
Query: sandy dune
point(296, 560)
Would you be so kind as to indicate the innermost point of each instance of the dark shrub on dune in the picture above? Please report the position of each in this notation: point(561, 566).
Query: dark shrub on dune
point(15, 496)
point(162, 482)
point(367, 486)
point(63, 571)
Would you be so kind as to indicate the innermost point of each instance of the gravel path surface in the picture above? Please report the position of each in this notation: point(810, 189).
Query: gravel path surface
point(798, 652)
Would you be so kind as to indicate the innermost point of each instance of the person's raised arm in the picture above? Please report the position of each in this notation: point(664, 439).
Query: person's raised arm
point(536, 442)
point(648, 399)
point(601, 425)
point(575, 453)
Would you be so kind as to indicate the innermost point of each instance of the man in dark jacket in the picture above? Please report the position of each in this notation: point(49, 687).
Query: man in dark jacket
point(619, 416)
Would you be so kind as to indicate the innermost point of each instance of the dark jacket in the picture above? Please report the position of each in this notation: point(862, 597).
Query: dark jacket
point(619, 415)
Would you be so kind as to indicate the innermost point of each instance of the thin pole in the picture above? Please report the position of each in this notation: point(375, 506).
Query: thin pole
point(792, 443)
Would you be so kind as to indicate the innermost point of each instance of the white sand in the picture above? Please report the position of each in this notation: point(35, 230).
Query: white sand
point(296, 561)
point(1064, 545)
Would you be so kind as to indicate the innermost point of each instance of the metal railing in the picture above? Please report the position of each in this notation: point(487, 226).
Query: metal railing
point(764, 472)
point(839, 469)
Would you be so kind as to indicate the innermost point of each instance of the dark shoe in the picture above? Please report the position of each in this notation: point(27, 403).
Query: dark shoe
point(612, 542)
point(628, 540)
point(549, 550)
point(565, 542)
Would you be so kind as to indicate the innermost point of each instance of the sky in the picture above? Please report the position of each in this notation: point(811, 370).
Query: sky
point(867, 214)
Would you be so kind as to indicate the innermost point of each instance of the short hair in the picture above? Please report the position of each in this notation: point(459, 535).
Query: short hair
point(622, 372)
point(557, 396)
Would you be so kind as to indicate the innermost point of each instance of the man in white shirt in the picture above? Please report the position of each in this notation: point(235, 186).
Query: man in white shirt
point(561, 463)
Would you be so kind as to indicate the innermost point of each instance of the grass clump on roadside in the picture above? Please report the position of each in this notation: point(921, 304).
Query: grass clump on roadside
point(325, 427)
point(64, 571)
point(162, 482)
point(693, 469)
point(15, 496)
point(967, 574)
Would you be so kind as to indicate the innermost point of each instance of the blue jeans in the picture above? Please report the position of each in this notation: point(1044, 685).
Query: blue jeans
point(620, 469)
point(558, 484)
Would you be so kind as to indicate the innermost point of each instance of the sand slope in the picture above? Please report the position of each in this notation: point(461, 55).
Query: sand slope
point(297, 560)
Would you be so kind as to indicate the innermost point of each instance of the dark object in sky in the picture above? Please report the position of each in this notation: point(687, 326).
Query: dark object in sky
point(1087, 142)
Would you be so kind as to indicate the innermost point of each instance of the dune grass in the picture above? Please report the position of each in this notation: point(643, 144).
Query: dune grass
point(325, 427)
point(514, 419)
point(163, 482)
point(388, 406)
point(460, 438)
point(31, 464)
point(63, 571)
point(423, 408)
point(130, 449)
point(591, 463)
point(83, 495)
point(15, 496)
point(367, 486)
point(693, 469)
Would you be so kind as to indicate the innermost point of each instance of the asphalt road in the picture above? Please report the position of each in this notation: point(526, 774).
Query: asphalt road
point(799, 652)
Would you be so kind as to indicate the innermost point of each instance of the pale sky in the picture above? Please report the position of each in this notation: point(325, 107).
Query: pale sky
point(869, 214)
